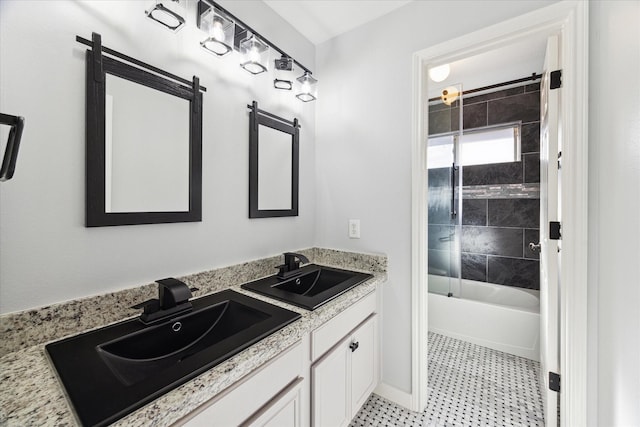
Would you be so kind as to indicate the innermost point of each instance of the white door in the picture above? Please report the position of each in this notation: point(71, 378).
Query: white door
point(549, 256)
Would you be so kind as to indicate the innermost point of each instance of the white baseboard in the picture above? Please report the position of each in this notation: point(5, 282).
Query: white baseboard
point(395, 395)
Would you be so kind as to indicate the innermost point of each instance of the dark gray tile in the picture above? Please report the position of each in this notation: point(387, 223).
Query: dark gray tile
point(521, 273)
point(474, 267)
point(455, 119)
point(531, 236)
point(475, 115)
point(438, 106)
point(474, 212)
point(525, 107)
point(443, 263)
point(439, 121)
point(493, 95)
point(533, 87)
point(523, 213)
point(441, 237)
point(492, 240)
point(530, 138)
point(495, 173)
point(531, 167)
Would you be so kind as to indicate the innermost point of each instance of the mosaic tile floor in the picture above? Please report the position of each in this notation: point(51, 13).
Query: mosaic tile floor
point(469, 385)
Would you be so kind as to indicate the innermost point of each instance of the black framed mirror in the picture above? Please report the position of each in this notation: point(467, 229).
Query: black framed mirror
point(273, 164)
point(144, 142)
point(10, 157)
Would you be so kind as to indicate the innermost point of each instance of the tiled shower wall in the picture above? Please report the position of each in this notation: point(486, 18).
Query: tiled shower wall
point(500, 206)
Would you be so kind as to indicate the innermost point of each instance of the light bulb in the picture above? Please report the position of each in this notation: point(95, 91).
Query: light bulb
point(217, 32)
point(305, 88)
point(254, 55)
point(438, 74)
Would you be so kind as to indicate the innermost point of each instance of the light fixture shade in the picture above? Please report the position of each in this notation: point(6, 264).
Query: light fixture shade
point(221, 32)
point(307, 89)
point(165, 13)
point(438, 74)
point(283, 68)
point(255, 55)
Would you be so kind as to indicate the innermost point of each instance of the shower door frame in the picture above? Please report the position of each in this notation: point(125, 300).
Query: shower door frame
point(568, 19)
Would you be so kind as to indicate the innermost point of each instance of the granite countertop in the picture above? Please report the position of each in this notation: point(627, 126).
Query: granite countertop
point(31, 395)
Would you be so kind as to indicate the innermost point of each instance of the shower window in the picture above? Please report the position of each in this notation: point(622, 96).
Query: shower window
point(495, 144)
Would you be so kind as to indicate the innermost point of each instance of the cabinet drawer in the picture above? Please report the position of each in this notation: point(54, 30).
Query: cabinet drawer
point(327, 335)
point(236, 404)
point(283, 411)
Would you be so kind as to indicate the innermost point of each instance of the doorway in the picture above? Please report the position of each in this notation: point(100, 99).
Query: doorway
point(568, 20)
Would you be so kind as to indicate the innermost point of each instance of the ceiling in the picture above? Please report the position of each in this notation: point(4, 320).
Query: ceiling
point(321, 20)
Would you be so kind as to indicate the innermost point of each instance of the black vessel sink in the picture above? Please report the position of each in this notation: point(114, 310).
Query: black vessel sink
point(313, 287)
point(112, 371)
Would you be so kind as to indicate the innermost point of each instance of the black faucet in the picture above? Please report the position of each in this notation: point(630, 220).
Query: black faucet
point(291, 265)
point(173, 298)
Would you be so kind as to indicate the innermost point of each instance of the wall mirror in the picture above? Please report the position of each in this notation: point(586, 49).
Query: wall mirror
point(144, 142)
point(273, 164)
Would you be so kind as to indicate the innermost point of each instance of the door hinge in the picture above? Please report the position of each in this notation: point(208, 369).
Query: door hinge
point(559, 159)
point(554, 230)
point(554, 381)
point(556, 79)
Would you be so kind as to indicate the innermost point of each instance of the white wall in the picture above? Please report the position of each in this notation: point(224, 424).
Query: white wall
point(46, 253)
point(364, 144)
point(614, 213)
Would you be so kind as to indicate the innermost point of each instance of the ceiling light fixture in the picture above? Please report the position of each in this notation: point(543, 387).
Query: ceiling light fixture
point(438, 74)
point(226, 33)
point(164, 12)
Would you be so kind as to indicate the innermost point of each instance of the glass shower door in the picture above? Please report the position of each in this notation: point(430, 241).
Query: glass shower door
point(444, 224)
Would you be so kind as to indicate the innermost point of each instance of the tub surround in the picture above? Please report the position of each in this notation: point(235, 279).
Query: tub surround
point(30, 393)
point(501, 201)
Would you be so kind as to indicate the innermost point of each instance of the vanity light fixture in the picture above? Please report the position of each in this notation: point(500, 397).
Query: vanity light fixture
point(221, 32)
point(226, 32)
point(255, 54)
point(283, 68)
point(439, 73)
point(307, 87)
point(164, 13)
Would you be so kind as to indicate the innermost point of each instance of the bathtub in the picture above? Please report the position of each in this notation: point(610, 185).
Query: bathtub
point(495, 316)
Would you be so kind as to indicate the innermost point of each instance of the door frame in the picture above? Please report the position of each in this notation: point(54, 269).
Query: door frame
point(569, 19)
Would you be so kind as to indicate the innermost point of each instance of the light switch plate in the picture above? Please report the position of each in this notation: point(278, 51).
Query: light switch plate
point(354, 228)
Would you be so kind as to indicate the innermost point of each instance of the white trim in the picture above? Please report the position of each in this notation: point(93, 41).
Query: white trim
point(393, 394)
point(570, 19)
point(573, 205)
point(419, 261)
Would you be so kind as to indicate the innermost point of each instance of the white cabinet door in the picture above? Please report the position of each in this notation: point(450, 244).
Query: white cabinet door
point(345, 377)
point(364, 364)
point(330, 394)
